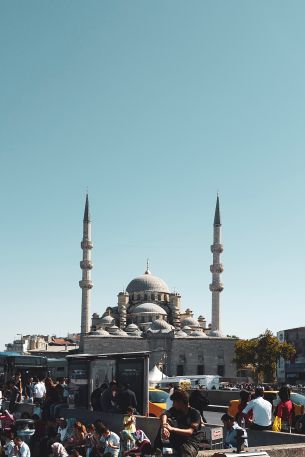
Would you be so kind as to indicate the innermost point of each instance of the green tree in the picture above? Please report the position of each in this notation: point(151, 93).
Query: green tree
point(262, 353)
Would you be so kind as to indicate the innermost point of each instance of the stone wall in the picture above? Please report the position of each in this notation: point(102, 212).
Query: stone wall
point(100, 345)
point(211, 353)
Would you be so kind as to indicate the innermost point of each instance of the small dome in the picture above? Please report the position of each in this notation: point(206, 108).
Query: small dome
point(181, 334)
point(113, 328)
point(216, 334)
point(191, 322)
point(149, 308)
point(99, 332)
point(120, 332)
point(198, 334)
point(186, 329)
point(132, 327)
point(107, 319)
point(147, 283)
point(160, 325)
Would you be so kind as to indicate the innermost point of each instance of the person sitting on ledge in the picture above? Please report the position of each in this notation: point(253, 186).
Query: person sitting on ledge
point(262, 411)
point(180, 425)
point(235, 436)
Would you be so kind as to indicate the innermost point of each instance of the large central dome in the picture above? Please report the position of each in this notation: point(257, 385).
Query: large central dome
point(147, 283)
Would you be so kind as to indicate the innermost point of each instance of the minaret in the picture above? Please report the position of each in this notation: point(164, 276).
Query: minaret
point(86, 265)
point(216, 269)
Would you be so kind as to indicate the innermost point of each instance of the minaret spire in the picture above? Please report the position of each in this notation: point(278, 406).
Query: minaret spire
point(87, 217)
point(217, 213)
point(86, 265)
point(216, 269)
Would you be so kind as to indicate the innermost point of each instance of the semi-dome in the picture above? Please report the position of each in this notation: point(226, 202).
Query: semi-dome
point(107, 319)
point(190, 322)
point(160, 325)
point(149, 308)
point(147, 283)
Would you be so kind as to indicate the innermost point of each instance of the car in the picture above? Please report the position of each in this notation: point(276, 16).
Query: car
point(157, 401)
point(298, 401)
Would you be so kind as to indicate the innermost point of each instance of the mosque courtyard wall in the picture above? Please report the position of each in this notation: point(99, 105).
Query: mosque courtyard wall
point(196, 356)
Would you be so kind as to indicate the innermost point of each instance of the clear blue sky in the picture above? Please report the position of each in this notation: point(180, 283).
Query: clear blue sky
point(154, 105)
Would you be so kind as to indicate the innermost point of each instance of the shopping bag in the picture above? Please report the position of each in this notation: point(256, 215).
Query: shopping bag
point(277, 424)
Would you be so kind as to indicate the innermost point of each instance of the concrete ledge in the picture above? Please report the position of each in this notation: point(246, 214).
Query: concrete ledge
point(269, 438)
point(284, 450)
point(216, 408)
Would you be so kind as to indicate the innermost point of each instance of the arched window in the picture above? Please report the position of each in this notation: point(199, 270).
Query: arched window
point(145, 296)
point(152, 296)
point(159, 297)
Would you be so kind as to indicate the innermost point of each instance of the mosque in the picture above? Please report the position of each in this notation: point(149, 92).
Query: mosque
point(148, 316)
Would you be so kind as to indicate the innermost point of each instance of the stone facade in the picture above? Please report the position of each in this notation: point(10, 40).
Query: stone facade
point(210, 356)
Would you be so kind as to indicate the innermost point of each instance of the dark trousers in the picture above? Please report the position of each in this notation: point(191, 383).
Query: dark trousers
point(260, 427)
point(186, 450)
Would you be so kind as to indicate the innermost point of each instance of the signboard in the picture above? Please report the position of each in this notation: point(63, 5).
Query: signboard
point(102, 371)
point(78, 385)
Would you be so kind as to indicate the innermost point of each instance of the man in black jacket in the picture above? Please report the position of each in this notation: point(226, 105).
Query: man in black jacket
point(180, 425)
point(127, 398)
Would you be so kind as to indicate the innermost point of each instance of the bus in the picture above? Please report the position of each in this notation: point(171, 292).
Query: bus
point(30, 366)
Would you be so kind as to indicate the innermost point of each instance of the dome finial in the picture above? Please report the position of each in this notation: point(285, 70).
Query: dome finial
point(147, 272)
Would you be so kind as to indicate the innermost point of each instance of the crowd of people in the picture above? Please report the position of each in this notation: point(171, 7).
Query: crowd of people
point(44, 393)
point(70, 437)
point(45, 434)
point(111, 399)
point(256, 412)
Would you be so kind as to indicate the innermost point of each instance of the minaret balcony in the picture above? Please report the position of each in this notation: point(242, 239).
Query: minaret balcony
point(216, 268)
point(86, 244)
point(217, 248)
point(86, 284)
point(216, 287)
point(86, 265)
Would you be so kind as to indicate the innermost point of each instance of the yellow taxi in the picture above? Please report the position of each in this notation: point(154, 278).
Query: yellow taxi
point(157, 402)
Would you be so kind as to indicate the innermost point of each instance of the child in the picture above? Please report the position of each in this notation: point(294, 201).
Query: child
point(129, 423)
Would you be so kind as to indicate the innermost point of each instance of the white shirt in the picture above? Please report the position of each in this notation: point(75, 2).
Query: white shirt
point(262, 411)
point(39, 390)
point(114, 439)
point(24, 450)
point(62, 433)
point(9, 448)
